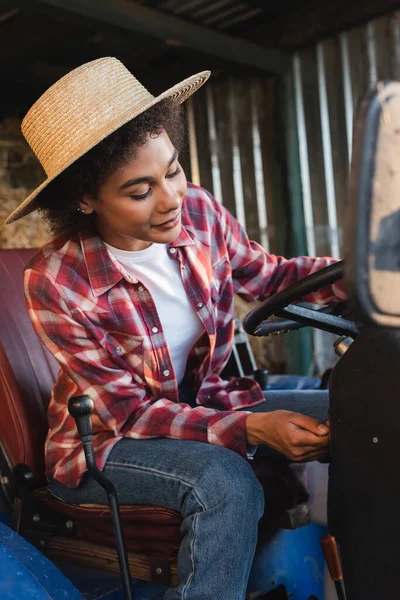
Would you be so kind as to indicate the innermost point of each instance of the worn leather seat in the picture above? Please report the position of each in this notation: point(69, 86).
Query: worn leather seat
point(83, 533)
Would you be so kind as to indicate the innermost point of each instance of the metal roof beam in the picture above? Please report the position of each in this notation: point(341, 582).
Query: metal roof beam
point(136, 17)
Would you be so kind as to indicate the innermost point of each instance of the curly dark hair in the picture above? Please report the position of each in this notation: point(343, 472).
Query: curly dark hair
point(59, 201)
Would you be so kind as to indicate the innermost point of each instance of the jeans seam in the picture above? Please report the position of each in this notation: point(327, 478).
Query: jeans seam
point(200, 501)
point(168, 476)
point(192, 543)
point(149, 470)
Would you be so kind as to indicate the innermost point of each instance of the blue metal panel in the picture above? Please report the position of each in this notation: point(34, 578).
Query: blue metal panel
point(25, 574)
point(96, 585)
point(293, 559)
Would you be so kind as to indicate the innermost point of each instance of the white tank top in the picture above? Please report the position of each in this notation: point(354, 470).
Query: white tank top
point(160, 274)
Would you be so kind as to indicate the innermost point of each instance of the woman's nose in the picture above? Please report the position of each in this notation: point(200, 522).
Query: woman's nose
point(169, 200)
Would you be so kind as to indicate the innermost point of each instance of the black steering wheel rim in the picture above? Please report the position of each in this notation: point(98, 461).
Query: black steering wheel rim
point(280, 304)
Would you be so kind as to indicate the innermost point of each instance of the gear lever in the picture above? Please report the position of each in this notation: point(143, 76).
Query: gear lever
point(81, 409)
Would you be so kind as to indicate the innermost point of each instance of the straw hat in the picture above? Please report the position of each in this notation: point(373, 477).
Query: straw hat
point(83, 108)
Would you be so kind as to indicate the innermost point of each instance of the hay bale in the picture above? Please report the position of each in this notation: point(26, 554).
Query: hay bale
point(20, 173)
point(28, 232)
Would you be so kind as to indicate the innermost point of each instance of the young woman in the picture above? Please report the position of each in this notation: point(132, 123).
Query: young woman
point(134, 298)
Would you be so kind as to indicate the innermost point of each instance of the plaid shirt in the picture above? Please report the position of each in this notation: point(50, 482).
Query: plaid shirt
point(102, 327)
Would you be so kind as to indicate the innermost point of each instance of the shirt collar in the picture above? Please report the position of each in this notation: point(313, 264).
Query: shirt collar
point(103, 270)
point(185, 237)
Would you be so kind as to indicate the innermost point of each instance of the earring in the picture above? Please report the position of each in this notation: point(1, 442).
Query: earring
point(81, 210)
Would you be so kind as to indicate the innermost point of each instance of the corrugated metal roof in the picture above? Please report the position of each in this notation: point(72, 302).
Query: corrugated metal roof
point(216, 14)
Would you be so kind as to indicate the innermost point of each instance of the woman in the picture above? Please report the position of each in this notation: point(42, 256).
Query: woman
point(134, 298)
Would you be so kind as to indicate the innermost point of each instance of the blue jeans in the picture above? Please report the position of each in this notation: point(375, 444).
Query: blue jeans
point(214, 489)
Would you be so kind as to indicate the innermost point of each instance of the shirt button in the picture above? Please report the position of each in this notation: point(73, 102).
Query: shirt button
point(172, 250)
point(154, 329)
point(141, 288)
point(119, 350)
point(166, 373)
point(199, 305)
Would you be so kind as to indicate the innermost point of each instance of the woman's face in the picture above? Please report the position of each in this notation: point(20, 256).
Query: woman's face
point(140, 203)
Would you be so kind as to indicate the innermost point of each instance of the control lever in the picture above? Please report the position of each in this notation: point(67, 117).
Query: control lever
point(81, 409)
point(331, 554)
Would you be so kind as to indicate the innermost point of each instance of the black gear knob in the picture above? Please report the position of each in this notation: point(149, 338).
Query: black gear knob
point(81, 408)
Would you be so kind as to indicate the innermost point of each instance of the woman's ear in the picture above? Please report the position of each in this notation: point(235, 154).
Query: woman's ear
point(86, 205)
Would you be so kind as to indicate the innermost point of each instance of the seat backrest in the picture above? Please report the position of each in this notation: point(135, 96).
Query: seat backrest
point(27, 370)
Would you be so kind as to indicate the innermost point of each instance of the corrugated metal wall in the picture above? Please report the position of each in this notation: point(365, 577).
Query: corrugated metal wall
point(328, 82)
point(232, 127)
point(235, 153)
point(236, 148)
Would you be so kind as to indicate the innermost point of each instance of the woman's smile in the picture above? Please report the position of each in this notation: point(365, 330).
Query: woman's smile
point(140, 203)
point(170, 224)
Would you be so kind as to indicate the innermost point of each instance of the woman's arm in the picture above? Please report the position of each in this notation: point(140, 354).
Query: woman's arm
point(122, 405)
point(258, 275)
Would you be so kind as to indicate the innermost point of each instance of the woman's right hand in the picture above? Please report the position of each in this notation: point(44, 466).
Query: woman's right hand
point(298, 437)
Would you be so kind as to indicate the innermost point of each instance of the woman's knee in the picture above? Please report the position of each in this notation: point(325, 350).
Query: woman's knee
point(228, 477)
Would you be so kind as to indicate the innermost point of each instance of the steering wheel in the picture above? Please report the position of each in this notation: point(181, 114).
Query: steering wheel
point(295, 317)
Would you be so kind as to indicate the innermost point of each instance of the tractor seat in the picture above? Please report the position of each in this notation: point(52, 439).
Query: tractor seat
point(83, 533)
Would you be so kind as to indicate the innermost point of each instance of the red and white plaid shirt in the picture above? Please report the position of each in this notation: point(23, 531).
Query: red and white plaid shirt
point(102, 327)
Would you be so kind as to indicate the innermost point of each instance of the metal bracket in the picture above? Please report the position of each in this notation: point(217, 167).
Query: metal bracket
point(160, 570)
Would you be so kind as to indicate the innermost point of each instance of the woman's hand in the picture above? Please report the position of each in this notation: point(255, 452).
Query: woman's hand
point(298, 437)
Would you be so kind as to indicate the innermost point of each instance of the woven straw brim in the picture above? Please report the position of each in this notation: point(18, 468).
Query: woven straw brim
point(178, 93)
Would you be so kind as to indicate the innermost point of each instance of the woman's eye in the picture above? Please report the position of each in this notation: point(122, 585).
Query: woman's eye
point(148, 193)
point(174, 174)
point(142, 196)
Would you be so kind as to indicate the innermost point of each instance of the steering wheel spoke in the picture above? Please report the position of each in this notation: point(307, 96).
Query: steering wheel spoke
point(276, 327)
point(326, 321)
